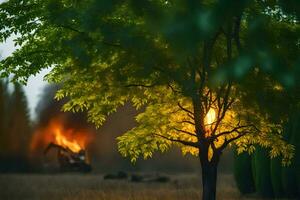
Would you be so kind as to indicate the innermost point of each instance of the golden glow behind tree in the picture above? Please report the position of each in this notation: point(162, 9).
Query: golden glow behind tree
point(179, 60)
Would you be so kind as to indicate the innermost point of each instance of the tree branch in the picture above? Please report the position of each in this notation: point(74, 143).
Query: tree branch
point(82, 32)
point(192, 144)
point(222, 106)
point(186, 121)
point(232, 139)
point(186, 132)
point(235, 129)
point(173, 89)
point(140, 85)
point(184, 109)
point(69, 28)
point(241, 134)
point(236, 33)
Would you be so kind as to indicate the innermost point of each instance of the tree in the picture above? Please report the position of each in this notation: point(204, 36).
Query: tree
point(284, 178)
point(4, 96)
point(182, 61)
point(18, 131)
point(262, 175)
point(15, 129)
point(276, 171)
point(19, 121)
point(243, 173)
point(290, 174)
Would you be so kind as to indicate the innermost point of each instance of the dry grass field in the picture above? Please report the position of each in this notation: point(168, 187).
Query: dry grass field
point(93, 187)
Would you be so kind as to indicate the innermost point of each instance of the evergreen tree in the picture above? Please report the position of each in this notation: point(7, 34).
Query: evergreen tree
point(291, 172)
point(276, 171)
point(243, 172)
point(18, 132)
point(4, 98)
point(262, 176)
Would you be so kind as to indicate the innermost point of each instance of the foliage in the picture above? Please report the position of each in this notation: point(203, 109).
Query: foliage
point(179, 61)
point(176, 60)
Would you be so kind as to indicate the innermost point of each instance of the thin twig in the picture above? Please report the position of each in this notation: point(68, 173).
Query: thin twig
point(140, 85)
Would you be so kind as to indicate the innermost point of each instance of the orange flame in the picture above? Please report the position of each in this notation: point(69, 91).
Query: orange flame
point(64, 142)
point(55, 132)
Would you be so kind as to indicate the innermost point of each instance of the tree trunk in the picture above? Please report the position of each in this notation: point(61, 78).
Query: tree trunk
point(209, 179)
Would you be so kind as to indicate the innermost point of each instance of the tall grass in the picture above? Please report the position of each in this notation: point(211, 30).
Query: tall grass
point(93, 187)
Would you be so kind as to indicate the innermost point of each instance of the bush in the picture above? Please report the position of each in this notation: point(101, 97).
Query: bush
point(243, 173)
point(276, 171)
point(262, 176)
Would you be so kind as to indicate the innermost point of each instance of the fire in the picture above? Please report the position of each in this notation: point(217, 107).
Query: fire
point(64, 142)
point(55, 132)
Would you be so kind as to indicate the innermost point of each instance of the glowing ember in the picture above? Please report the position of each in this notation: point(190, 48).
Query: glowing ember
point(210, 116)
point(209, 120)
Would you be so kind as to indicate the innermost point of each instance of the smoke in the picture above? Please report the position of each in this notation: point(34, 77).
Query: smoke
point(49, 108)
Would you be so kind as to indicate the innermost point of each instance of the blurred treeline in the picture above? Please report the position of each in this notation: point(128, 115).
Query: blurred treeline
point(15, 128)
point(267, 176)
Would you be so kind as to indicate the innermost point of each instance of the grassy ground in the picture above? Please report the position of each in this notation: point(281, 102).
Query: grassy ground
point(93, 187)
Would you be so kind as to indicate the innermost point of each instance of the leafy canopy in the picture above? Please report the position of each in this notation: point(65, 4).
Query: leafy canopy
point(173, 60)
